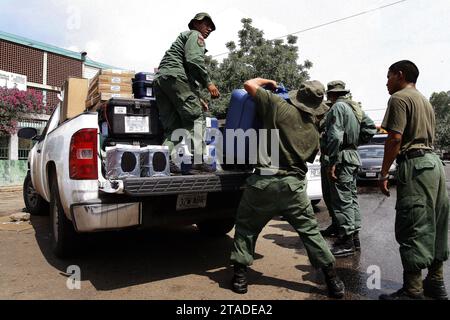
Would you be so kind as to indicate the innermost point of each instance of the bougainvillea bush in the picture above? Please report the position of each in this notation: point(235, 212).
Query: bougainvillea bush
point(14, 104)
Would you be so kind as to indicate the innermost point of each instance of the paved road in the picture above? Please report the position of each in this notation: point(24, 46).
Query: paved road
point(179, 263)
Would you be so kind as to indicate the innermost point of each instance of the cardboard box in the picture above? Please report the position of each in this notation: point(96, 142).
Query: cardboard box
point(119, 80)
point(110, 88)
point(113, 72)
point(75, 92)
point(93, 102)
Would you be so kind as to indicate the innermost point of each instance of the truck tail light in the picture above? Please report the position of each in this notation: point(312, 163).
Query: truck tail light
point(83, 163)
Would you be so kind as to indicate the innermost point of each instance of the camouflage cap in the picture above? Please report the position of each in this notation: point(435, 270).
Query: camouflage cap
point(199, 17)
point(309, 98)
point(337, 86)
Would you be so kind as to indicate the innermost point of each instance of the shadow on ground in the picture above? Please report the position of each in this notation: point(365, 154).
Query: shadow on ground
point(123, 259)
point(127, 258)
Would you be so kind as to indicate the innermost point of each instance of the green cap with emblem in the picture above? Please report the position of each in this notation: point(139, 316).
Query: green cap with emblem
point(337, 86)
point(199, 17)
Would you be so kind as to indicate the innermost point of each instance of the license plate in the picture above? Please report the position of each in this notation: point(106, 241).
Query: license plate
point(191, 201)
point(137, 125)
point(371, 175)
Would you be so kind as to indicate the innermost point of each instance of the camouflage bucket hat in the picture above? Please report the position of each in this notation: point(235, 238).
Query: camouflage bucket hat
point(337, 86)
point(309, 98)
point(199, 17)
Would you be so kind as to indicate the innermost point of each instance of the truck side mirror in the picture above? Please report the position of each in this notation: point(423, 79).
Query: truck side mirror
point(28, 133)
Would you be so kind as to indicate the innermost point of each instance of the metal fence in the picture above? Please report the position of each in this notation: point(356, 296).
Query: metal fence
point(23, 154)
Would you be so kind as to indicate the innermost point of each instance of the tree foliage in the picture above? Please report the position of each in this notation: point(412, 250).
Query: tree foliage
point(14, 104)
point(254, 57)
point(441, 104)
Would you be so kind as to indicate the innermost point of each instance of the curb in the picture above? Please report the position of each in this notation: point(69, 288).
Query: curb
point(11, 189)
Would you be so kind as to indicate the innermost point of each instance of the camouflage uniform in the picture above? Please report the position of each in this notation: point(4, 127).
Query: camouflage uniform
point(181, 73)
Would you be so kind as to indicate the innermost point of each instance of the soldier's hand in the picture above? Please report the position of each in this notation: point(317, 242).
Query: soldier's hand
point(332, 173)
point(384, 187)
point(271, 85)
point(215, 94)
point(205, 106)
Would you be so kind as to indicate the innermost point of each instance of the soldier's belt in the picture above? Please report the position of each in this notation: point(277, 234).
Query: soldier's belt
point(349, 147)
point(414, 153)
point(275, 172)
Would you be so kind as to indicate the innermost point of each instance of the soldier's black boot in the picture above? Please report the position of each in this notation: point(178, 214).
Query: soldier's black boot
point(356, 241)
point(239, 281)
point(433, 285)
point(336, 288)
point(412, 288)
point(343, 247)
point(435, 289)
point(330, 232)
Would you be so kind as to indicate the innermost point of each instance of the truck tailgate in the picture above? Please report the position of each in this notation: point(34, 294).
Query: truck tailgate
point(156, 186)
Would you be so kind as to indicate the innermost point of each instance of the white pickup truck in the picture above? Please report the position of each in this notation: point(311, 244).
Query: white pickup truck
point(66, 178)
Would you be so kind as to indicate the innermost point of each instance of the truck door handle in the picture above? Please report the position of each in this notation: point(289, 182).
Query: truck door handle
point(39, 151)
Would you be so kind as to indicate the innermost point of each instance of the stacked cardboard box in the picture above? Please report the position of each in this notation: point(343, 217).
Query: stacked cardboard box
point(75, 91)
point(109, 84)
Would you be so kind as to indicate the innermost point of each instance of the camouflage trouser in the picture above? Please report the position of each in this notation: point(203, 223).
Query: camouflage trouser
point(421, 225)
point(267, 197)
point(179, 108)
point(344, 199)
point(326, 193)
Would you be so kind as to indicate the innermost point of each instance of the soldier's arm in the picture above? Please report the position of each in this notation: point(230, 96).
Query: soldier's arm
point(391, 151)
point(369, 122)
point(335, 133)
point(394, 123)
point(194, 52)
point(254, 87)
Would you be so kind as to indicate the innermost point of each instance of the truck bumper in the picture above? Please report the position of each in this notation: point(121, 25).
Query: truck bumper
point(94, 217)
point(115, 212)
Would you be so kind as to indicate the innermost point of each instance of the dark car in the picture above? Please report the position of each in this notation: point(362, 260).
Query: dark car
point(372, 161)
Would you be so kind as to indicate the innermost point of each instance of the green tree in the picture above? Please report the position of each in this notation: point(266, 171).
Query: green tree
point(256, 57)
point(441, 104)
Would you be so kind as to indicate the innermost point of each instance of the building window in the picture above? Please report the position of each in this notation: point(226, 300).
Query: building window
point(4, 148)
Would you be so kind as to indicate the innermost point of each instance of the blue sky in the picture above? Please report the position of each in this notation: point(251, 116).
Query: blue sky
point(134, 34)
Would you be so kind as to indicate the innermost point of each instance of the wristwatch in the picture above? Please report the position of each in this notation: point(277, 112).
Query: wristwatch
point(382, 178)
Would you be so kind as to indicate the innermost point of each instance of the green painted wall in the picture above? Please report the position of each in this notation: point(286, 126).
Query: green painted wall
point(12, 172)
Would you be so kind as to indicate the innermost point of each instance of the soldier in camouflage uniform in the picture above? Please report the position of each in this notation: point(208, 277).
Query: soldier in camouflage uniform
point(332, 230)
point(181, 73)
point(342, 136)
point(281, 189)
point(421, 224)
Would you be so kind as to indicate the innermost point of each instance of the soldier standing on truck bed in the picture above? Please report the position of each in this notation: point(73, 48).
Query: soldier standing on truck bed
point(181, 72)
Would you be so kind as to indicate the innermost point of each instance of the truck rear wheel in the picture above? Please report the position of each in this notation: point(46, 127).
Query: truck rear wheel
point(35, 204)
point(218, 227)
point(63, 235)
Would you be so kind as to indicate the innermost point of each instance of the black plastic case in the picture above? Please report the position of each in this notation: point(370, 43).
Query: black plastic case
point(131, 118)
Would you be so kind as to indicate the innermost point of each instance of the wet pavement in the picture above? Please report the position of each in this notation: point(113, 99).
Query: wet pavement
point(379, 248)
point(179, 263)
